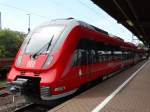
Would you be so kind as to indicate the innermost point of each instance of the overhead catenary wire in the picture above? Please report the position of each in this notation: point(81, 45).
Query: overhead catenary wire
point(125, 15)
point(99, 14)
point(68, 9)
point(95, 11)
point(83, 4)
point(23, 10)
point(33, 13)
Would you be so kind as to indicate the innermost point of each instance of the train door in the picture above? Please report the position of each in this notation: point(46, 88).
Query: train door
point(80, 67)
point(91, 63)
point(84, 66)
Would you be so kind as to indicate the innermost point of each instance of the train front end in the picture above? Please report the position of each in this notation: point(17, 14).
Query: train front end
point(34, 71)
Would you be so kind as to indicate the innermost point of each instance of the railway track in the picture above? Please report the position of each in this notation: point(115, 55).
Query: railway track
point(33, 108)
point(3, 90)
point(42, 108)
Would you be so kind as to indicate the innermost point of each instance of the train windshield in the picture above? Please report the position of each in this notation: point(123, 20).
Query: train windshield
point(38, 40)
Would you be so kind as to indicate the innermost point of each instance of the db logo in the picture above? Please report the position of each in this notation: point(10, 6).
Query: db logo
point(31, 64)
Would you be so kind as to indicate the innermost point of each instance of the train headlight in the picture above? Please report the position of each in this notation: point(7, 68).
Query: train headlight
point(18, 61)
point(62, 88)
point(45, 91)
point(48, 61)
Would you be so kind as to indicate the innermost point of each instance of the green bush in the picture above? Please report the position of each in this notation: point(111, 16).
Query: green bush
point(10, 42)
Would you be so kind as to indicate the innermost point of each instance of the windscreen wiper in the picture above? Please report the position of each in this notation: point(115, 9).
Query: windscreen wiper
point(49, 44)
point(27, 44)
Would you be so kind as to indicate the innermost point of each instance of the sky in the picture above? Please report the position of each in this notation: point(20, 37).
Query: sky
point(15, 15)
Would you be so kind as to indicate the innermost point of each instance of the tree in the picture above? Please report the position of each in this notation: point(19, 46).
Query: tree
point(141, 45)
point(2, 51)
point(10, 41)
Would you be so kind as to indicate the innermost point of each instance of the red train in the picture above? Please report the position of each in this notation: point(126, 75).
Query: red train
point(58, 57)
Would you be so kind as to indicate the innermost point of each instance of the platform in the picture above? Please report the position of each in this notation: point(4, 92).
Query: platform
point(133, 97)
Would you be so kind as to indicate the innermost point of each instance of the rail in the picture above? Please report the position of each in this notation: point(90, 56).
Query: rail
point(3, 90)
point(32, 108)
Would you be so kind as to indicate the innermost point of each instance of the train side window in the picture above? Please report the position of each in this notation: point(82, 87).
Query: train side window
point(82, 57)
point(93, 57)
point(124, 55)
point(100, 56)
point(75, 58)
point(96, 56)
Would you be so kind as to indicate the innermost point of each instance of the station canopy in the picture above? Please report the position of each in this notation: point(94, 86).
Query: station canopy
point(133, 14)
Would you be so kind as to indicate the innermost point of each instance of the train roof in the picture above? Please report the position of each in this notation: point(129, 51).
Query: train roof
point(126, 45)
point(72, 20)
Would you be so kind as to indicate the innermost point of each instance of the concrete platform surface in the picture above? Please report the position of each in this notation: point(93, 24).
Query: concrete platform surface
point(132, 98)
point(135, 97)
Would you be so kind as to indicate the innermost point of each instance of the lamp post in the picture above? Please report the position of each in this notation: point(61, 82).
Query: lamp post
point(28, 23)
point(0, 22)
